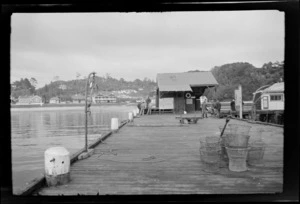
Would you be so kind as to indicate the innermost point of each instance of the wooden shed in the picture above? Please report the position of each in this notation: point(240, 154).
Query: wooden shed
point(184, 89)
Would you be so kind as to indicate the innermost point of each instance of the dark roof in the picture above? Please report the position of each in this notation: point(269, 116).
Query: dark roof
point(184, 81)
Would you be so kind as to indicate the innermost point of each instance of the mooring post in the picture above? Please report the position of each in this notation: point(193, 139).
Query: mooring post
point(114, 124)
point(57, 166)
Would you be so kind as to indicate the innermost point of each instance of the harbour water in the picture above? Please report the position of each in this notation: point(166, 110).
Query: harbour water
point(33, 130)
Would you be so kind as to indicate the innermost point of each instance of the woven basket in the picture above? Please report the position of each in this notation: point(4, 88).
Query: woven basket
point(237, 158)
point(210, 159)
point(211, 143)
point(236, 140)
point(239, 129)
point(256, 152)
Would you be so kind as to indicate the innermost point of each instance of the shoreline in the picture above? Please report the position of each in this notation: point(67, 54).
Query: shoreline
point(13, 106)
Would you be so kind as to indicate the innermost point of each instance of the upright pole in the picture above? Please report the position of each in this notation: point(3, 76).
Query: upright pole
point(86, 110)
point(241, 102)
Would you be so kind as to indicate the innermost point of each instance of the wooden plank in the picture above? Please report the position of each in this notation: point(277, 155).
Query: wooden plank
point(39, 182)
point(118, 166)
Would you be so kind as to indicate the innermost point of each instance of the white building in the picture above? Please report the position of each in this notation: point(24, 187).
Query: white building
point(105, 98)
point(272, 98)
point(54, 100)
point(29, 100)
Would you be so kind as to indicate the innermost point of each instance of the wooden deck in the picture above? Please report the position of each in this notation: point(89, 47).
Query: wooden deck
point(157, 155)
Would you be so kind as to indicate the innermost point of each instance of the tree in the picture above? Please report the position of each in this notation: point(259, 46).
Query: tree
point(22, 88)
point(108, 76)
point(229, 76)
point(33, 82)
point(78, 75)
point(55, 78)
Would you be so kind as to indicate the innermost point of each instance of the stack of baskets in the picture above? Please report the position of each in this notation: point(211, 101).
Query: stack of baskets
point(236, 145)
point(210, 152)
point(257, 148)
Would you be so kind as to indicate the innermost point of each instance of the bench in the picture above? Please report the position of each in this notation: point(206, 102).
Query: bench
point(189, 119)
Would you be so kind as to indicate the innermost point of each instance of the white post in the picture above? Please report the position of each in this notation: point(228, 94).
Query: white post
point(134, 113)
point(130, 116)
point(114, 124)
point(57, 166)
point(241, 101)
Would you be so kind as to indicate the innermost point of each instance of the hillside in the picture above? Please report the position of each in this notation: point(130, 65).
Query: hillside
point(104, 84)
point(229, 76)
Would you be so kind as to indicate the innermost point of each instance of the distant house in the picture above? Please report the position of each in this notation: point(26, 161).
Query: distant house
point(182, 91)
point(29, 100)
point(13, 100)
point(78, 98)
point(54, 100)
point(272, 97)
point(105, 97)
point(62, 87)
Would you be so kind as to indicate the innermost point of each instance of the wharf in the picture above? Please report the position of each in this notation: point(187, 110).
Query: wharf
point(157, 155)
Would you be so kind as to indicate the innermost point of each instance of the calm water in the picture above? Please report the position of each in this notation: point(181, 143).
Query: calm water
point(34, 130)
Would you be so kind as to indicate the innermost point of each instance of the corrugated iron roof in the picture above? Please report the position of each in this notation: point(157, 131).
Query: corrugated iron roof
point(277, 87)
point(184, 81)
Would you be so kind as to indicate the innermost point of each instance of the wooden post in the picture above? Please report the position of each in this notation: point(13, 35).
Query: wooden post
point(86, 108)
point(241, 101)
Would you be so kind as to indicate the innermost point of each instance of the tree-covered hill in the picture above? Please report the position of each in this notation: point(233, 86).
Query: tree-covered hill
point(229, 76)
point(107, 83)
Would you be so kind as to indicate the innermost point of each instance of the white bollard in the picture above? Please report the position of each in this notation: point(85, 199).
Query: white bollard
point(130, 116)
point(134, 113)
point(57, 166)
point(114, 124)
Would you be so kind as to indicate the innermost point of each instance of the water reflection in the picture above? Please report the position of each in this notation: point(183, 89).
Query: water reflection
point(35, 130)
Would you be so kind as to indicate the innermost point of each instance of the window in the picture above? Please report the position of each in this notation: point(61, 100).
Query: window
point(276, 97)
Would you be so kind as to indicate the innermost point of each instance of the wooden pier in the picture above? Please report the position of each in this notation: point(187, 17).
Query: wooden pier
point(157, 155)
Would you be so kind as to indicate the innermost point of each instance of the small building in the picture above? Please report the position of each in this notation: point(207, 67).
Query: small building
point(29, 100)
point(13, 100)
point(78, 98)
point(105, 97)
point(54, 100)
point(62, 87)
point(182, 91)
point(272, 98)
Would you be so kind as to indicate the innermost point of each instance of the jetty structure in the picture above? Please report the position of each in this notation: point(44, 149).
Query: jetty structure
point(159, 154)
point(155, 154)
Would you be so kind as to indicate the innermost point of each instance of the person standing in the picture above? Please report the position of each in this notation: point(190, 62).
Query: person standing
point(213, 107)
point(148, 101)
point(143, 107)
point(218, 108)
point(232, 106)
point(204, 109)
point(139, 107)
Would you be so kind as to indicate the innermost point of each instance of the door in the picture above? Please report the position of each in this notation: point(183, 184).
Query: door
point(265, 102)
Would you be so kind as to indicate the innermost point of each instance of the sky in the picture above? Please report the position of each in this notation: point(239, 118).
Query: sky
point(138, 45)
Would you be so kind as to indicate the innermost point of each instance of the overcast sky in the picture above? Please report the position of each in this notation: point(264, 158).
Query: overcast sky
point(139, 45)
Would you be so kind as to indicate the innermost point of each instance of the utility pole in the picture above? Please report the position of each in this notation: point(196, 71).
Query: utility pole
point(241, 101)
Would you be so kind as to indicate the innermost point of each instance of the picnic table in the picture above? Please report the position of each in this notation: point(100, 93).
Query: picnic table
point(189, 118)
